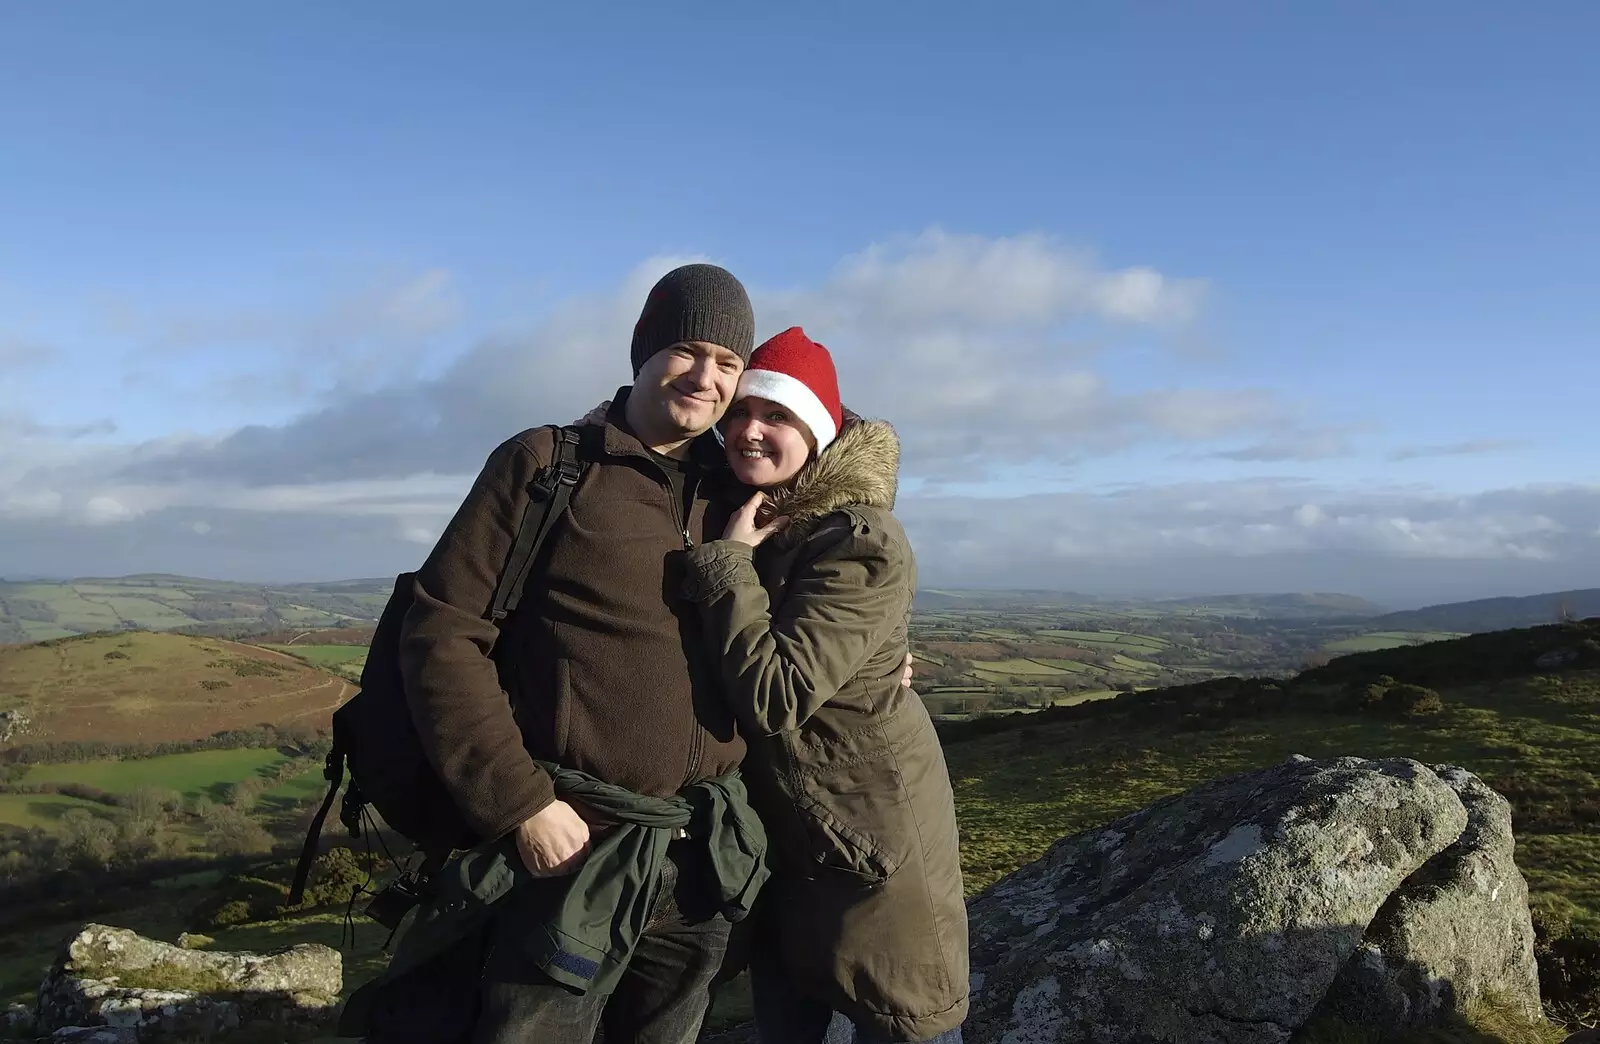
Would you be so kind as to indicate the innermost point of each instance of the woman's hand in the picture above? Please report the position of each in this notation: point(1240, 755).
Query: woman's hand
point(742, 526)
point(595, 416)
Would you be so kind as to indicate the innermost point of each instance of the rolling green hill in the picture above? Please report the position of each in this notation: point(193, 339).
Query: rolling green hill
point(1520, 708)
point(37, 610)
point(1314, 606)
point(146, 687)
point(1285, 606)
point(1495, 614)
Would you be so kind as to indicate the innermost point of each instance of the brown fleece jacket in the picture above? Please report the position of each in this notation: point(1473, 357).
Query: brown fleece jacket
point(603, 668)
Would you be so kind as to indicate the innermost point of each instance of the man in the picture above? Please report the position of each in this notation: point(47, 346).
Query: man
point(602, 669)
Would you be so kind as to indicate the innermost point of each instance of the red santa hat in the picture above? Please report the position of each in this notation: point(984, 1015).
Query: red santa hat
point(796, 372)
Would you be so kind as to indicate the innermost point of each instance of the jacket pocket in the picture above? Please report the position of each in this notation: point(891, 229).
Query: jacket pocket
point(835, 845)
point(855, 812)
point(561, 713)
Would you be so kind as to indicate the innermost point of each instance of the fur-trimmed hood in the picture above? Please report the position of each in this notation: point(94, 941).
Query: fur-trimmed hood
point(861, 466)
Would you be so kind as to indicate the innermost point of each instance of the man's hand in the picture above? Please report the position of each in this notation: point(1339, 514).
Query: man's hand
point(905, 679)
point(595, 416)
point(553, 841)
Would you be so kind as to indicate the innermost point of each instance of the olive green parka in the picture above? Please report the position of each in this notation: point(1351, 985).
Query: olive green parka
point(844, 765)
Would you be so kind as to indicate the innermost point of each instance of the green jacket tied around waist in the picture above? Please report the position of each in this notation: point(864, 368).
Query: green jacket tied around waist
point(588, 936)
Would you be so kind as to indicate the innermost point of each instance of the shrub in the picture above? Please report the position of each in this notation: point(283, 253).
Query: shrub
point(86, 793)
point(335, 876)
point(236, 911)
point(1414, 701)
point(87, 841)
point(148, 804)
point(230, 832)
point(1569, 970)
point(1396, 699)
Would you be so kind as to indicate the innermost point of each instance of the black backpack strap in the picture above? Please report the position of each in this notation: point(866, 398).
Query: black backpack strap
point(548, 498)
point(333, 772)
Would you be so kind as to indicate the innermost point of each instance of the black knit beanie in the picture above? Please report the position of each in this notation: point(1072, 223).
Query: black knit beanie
point(695, 303)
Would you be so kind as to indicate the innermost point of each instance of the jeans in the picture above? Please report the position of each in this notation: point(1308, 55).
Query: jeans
point(661, 1000)
point(784, 1016)
point(486, 992)
point(663, 996)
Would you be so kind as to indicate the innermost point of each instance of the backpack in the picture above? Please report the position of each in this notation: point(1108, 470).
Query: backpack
point(373, 734)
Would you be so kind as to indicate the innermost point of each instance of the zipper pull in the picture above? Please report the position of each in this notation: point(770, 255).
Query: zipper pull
point(688, 541)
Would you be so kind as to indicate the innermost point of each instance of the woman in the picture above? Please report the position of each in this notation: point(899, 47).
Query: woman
point(806, 600)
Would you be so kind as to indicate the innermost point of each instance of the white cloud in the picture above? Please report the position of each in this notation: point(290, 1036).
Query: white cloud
point(352, 340)
point(973, 347)
point(1263, 535)
point(20, 354)
point(101, 510)
point(1324, 445)
point(1401, 545)
point(1467, 448)
point(939, 278)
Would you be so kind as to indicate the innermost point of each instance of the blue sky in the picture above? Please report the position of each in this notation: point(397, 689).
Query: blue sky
point(1374, 226)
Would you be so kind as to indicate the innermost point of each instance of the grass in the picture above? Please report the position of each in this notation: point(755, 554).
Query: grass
point(1018, 791)
point(1017, 668)
point(1120, 640)
point(160, 977)
point(1535, 737)
point(1088, 697)
point(42, 810)
point(22, 968)
point(1487, 1020)
point(146, 687)
point(324, 655)
point(292, 792)
point(167, 602)
point(201, 772)
point(1379, 640)
point(1073, 666)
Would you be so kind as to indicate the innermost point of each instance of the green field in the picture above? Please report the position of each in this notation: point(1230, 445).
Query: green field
point(1088, 697)
point(1134, 666)
point(1535, 737)
point(41, 810)
point(323, 655)
point(1071, 666)
point(293, 792)
point(1017, 668)
point(1134, 643)
point(35, 611)
point(1018, 791)
point(1386, 640)
point(193, 775)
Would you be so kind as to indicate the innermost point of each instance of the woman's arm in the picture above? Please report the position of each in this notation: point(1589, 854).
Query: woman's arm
point(781, 663)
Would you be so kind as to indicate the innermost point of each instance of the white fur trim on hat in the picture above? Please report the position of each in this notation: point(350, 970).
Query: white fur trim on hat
point(793, 394)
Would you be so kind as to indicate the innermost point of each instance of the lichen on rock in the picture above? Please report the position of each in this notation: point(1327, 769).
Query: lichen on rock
point(114, 981)
point(1235, 912)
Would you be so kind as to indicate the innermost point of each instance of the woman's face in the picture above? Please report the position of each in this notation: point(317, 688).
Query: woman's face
point(767, 445)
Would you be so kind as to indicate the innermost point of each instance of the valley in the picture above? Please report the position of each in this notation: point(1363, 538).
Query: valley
point(163, 779)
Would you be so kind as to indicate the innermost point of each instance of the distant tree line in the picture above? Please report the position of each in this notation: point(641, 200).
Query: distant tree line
point(1216, 701)
point(299, 739)
point(141, 834)
point(1398, 683)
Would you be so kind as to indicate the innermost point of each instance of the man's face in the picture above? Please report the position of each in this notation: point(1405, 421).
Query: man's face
point(687, 386)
